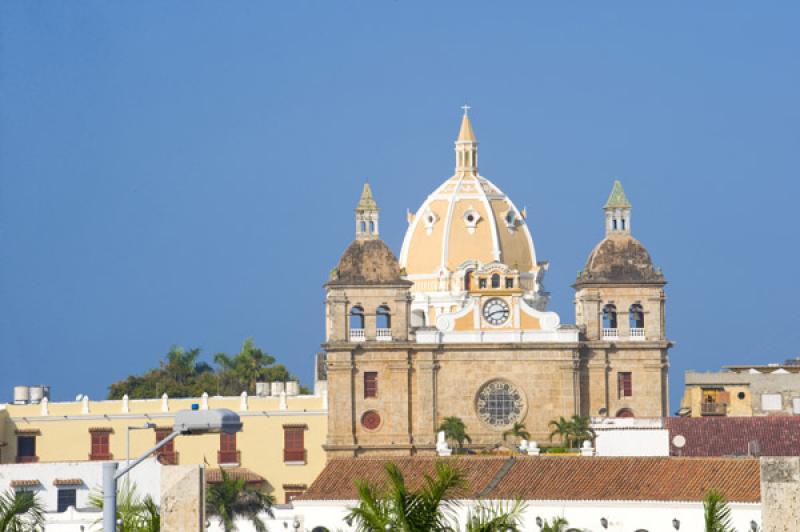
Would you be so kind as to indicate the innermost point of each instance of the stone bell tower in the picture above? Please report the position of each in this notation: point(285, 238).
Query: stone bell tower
point(620, 309)
point(367, 307)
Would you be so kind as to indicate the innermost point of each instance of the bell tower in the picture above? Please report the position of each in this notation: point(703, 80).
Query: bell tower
point(620, 310)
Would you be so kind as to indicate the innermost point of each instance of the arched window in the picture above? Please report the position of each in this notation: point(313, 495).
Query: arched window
point(372, 227)
point(357, 317)
point(636, 316)
point(383, 318)
point(624, 412)
point(467, 277)
point(495, 280)
point(610, 317)
point(363, 226)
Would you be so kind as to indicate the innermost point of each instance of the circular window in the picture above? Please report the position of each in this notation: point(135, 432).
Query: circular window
point(470, 218)
point(499, 403)
point(430, 219)
point(370, 420)
point(740, 395)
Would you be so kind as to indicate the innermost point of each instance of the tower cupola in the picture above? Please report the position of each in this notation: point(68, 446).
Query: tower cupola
point(366, 215)
point(466, 148)
point(618, 211)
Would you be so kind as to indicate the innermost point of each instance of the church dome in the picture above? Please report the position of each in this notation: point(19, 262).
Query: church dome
point(367, 262)
point(467, 219)
point(619, 257)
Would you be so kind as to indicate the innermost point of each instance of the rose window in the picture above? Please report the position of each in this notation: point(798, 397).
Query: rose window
point(499, 403)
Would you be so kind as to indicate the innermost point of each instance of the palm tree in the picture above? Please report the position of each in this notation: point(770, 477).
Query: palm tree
point(581, 430)
point(134, 513)
point(490, 518)
point(232, 498)
point(563, 429)
point(20, 511)
point(518, 431)
point(454, 430)
point(716, 512)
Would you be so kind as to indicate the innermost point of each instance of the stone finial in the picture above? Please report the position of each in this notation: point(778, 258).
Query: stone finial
point(204, 401)
point(165, 402)
point(533, 449)
point(586, 449)
point(85, 405)
point(243, 402)
point(442, 449)
point(125, 405)
point(45, 410)
point(523, 445)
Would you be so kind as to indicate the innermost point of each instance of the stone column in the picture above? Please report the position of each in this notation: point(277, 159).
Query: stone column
point(780, 494)
point(424, 407)
point(183, 498)
point(340, 398)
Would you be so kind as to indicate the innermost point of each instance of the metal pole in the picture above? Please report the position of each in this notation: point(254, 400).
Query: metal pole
point(127, 446)
point(109, 497)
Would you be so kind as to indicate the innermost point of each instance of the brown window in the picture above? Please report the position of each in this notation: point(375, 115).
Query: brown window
point(509, 282)
point(100, 449)
point(294, 449)
point(227, 449)
point(167, 454)
point(292, 495)
point(625, 384)
point(370, 384)
point(26, 449)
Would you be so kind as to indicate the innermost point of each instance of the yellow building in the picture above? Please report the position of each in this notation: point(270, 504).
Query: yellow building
point(758, 390)
point(280, 445)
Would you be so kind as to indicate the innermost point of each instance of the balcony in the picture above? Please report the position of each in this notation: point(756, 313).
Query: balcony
point(27, 459)
point(229, 457)
point(610, 334)
point(637, 333)
point(383, 335)
point(713, 409)
point(357, 335)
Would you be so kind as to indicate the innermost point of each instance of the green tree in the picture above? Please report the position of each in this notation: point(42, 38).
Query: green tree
point(563, 429)
point(250, 365)
point(428, 509)
point(232, 498)
point(716, 512)
point(491, 518)
point(20, 512)
point(454, 430)
point(134, 512)
point(518, 431)
point(581, 430)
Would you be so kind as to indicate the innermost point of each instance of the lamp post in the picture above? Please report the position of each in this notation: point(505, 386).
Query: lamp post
point(128, 438)
point(187, 422)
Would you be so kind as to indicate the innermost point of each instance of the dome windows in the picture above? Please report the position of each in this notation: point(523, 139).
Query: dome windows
point(430, 218)
point(510, 218)
point(471, 219)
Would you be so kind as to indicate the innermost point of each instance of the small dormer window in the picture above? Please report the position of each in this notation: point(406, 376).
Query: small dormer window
point(496, 281)
point(430, 219)
point(482, 282)
point(509, 282)
point(510, 219)
point(471, 219)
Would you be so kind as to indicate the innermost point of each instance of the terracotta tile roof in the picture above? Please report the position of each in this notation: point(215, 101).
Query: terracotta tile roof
point(27, 431)
point(337, 480)
point(560, 478)
point(729, 436)
point(630, 478)
point(214, 476)
point(67, 482)
point(24, 483)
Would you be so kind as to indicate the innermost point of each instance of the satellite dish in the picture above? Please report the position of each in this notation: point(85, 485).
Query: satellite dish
point(679, 441)
point(79, 397)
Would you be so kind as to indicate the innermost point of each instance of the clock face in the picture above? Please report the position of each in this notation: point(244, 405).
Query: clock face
point(496, 311)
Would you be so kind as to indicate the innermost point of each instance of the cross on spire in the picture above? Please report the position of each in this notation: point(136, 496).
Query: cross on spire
point(466, 108)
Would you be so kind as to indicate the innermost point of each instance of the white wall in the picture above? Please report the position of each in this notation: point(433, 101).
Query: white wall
point(632, 442)
point(146, 476)
point(623, 516)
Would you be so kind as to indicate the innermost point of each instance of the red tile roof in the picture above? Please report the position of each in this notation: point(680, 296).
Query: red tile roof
point(24, 483)
point(559, 478)
point(67, 482)
point(729, 436)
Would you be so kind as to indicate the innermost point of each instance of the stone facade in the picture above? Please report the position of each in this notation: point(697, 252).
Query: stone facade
point(780, 494)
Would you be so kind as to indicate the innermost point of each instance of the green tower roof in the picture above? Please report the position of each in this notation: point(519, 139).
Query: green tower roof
point(617, 198)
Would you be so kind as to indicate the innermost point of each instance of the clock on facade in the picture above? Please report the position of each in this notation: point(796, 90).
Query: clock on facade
point(495, 311)
point(499, 403)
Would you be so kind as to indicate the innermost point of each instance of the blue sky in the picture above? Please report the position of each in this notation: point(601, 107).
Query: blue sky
point(185, 173)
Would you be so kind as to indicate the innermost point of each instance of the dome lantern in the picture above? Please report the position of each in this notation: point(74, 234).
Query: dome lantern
point(366, 215)
point(618, 211)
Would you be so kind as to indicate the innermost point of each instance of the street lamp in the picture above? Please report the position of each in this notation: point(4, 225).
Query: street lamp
point(186, 422)
point(128, 438)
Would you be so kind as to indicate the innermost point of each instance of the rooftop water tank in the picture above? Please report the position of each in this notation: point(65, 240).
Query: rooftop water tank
point(22, 395)
point(39, 392)
point(292, 388)
point(262, 389)
point(277, 388)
